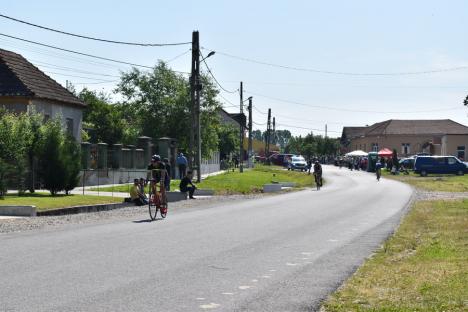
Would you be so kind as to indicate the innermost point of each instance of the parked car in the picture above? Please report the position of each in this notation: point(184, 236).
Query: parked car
point(297, 162)
point(280, 159)
point(407, 163)
point(439, 164)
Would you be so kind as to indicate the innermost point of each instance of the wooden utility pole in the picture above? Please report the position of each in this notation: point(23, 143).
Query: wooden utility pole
point(195, 88)
point(249, 150)
point(267, 136)
point(326, 130)
point(274, 131)
point(241, 130)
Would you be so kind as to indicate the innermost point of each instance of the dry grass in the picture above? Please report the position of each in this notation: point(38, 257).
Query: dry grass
point(423, 267)
point(439, 183)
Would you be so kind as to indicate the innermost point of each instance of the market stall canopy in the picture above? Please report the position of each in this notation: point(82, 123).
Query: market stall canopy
point(357, 153)
point(385, 152)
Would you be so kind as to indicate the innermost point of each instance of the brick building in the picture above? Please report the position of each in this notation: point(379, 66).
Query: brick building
point(409, 137)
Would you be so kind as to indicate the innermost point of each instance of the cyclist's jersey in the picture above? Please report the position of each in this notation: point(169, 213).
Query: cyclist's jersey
point(156, 175)
point(317, 169)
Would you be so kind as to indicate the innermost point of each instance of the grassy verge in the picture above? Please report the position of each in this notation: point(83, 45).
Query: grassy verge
point(250, 181)
point(423, 267)
point(46, 202)
point(441, 183)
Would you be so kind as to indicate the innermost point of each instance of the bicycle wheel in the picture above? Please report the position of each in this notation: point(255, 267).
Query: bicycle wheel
point(153, 209)
point(163, 210)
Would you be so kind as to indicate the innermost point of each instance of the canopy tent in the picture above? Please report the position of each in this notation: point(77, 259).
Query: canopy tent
point(385, 152)
point(357, 153)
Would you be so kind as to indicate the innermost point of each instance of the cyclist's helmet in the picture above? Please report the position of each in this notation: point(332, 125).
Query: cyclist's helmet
point(156, 158)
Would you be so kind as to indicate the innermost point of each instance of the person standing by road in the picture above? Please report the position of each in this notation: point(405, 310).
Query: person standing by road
point(167, 181)
point(182, 164)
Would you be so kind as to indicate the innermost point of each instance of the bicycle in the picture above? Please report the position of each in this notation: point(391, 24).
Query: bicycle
point(318, 180)
point(157, 199)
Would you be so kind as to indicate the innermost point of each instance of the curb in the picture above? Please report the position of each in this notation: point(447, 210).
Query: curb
point(83, 209)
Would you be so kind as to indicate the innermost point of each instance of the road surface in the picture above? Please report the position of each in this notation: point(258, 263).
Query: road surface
point(278, 253)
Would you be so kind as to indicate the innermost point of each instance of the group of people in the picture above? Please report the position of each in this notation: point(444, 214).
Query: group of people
point(160, 170)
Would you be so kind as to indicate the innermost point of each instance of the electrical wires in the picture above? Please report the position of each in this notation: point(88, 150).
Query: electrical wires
point(342, 73)
point(214, 78)
point(95, 39)
point(352, 110)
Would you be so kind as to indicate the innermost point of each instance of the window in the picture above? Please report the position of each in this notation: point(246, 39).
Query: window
point(461, 152)
point(46, 117)
point(70, 126)
point(375, 147)
point(452, 161)
point(405, 148)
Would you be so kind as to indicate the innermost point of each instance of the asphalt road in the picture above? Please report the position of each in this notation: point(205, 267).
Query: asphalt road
point(278, 253)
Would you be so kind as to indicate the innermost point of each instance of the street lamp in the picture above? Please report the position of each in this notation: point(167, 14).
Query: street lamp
point(209, 54)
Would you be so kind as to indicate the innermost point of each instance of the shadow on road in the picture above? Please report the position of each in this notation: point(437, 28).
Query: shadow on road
point(146, 220)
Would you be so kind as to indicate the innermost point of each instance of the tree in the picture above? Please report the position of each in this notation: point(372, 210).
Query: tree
point(228, 139)
point(257, 135)
point(158, 103)
point(52, 164)
point(71, 158)
point(106, 119)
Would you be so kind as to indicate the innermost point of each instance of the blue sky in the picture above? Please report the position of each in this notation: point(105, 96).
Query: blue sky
point(339, 36)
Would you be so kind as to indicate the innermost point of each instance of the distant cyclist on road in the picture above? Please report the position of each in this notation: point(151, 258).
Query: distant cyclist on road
point(318, 173)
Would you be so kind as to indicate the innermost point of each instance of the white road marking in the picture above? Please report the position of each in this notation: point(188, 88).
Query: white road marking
point(199, 298)
point(244, 287)
point(272, 270)
point(211, 305)
point(266, 276)
point(254, 280)
point(291, 264)
point(228, 293)
point(306, 253)
point(333, 240)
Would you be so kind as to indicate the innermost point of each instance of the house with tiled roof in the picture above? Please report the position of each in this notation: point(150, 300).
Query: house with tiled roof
point(25, 88)
point(409, 137)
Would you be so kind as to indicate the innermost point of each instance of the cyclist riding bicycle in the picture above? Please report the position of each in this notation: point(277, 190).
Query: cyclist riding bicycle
point(318, 172)
point(158, 171)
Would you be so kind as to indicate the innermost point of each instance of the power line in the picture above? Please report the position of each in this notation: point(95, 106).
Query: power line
point(214, 78)
point(93, 38)
point(81, 53)
point(342, 73)
point(352, 110)
point(178, 56)
point(259, 111)
point(70, 69)
point(232, 105)
point(259, 124)
point(67, 75)
point(289, 126)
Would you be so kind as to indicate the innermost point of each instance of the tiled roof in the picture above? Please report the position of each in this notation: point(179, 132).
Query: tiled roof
point(407, 127)
point(18, 77)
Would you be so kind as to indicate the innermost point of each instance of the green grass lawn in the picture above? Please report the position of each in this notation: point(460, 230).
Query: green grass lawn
point(441, 183)
point(44, 201)
point(250, 181)
point(423, 267)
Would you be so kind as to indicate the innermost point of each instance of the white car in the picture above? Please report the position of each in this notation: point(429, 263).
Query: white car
point(297, 162)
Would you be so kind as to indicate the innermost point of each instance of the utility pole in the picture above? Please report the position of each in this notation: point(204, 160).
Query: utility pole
point(249, 150)
point(326, 130)
point(267, 136)
point(241, 130)
point(195, 88)
point(274, 131)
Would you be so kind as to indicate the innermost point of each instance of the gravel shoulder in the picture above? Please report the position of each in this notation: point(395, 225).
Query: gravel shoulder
point(128, 213)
